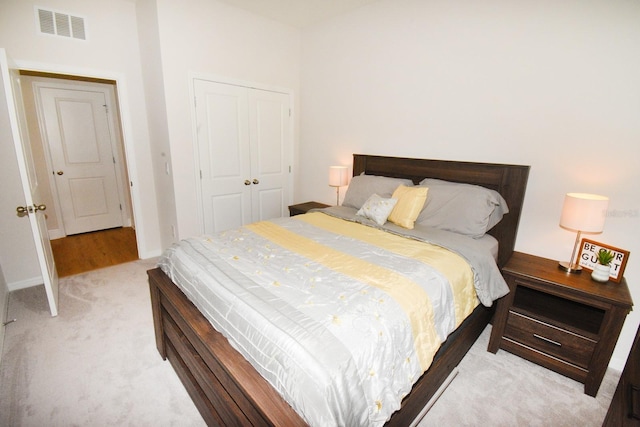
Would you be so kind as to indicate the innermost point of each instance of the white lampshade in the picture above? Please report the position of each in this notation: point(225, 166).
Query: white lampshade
point(338, 176)
point(584, 212)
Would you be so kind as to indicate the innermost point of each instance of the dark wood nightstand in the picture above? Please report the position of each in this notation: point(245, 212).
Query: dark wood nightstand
point(564, 322)
point(303, 208)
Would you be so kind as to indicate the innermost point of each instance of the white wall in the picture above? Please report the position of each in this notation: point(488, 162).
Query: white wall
point(110, 52)
point(149, 38)
point(210, 38)
point(549, 84)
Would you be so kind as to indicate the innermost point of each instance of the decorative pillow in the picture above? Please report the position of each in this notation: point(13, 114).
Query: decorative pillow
point(362, 187)
point(377, 208)
point(410, 203)
point(467, 209)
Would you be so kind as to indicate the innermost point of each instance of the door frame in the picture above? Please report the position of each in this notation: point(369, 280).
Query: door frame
point(193, 76)
point(115, 142)
point(124, 117)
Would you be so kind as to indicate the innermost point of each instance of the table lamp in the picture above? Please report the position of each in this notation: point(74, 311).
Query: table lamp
point(337, 178)
point(583, 213)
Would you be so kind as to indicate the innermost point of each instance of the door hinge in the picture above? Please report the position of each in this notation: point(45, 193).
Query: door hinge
point(289, 168)
point(114, 160)
point(200, 173)
point(106, 108)
point(120, 206)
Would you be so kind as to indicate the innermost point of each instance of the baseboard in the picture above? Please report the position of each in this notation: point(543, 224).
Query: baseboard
point(27, 283)
point(56, 234)
point(150, 254)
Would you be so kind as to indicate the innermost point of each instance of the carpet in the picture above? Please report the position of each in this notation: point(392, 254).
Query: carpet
point(93, 365)
point(505, 390)
point(96, 365)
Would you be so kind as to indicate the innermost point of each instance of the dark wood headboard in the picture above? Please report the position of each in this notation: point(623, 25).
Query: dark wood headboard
point(509, 180)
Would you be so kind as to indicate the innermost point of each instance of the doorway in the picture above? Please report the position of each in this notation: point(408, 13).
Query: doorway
point(76, 139)
point(78, 149)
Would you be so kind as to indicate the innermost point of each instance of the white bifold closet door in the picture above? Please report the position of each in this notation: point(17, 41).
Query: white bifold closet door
point(244, 154)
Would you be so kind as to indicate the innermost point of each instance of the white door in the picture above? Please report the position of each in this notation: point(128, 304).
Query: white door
point(224, 155)
point(270, 138)
point(83, 157)
point(11, 96)
point(244, 146)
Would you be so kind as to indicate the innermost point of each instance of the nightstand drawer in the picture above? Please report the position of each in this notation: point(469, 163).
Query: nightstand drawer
point(549, 339)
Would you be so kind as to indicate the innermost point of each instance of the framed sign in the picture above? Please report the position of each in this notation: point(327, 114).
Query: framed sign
point(589, 258)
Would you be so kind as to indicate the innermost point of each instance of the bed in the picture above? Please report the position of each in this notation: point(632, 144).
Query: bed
point(226, 388)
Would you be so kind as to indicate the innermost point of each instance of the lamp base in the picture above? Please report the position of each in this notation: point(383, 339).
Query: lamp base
point(570, 267)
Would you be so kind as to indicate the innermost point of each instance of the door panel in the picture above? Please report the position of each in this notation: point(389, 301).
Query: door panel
point(270, 203)
point(11, 95)
point(80, 143)
point(223, 148)
point(270, 145)
point(92, 194)
point(78, 131)
point(224, 210)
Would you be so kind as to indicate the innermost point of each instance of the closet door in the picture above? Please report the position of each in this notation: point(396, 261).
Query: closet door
point(244, 146)
point(222, 120)
point(270, 141)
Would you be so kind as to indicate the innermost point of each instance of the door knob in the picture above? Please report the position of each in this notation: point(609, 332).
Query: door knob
point(40, 207)
point(247, 182)
point(255, 181)
point(22, 211)
point(60, 172)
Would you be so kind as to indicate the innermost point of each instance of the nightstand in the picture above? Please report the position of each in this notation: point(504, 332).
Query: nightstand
point(564, 322)
point(303, 208)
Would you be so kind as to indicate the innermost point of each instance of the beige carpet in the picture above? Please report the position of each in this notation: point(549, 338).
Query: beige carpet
point(96, 365)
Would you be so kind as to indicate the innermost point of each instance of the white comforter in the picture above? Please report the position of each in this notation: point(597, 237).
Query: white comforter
point(339, 317)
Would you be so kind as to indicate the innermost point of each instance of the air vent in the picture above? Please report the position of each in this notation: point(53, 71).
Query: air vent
point(61, 24)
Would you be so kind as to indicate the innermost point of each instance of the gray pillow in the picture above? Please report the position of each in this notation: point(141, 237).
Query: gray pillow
point(362, 187)
point(466, 209)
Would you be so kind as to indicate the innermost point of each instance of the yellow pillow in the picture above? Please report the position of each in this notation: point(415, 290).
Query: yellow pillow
point(410, 202)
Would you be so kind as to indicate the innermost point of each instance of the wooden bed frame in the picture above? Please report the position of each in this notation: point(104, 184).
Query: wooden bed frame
point(228, 391)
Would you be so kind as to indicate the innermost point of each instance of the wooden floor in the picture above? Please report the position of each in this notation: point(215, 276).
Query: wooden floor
point(89, 251)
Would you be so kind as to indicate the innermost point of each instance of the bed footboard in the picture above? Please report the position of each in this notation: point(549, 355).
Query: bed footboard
point(222, 384)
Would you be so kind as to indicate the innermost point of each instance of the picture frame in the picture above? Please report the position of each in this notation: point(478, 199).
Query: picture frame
point(588, 258)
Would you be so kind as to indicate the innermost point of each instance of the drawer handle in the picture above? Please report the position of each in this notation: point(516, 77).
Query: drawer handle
point(634, 404)
point(540, 337)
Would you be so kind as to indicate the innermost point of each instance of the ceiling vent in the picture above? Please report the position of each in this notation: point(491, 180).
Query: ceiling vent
point(61, 24)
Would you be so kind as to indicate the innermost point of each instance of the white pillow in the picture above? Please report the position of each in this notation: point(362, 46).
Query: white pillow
point(377, 208)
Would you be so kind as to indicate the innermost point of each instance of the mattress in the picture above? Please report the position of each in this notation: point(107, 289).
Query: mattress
point(341, 318)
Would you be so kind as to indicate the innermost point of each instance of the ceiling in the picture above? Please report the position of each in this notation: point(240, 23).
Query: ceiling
point(298, 13)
